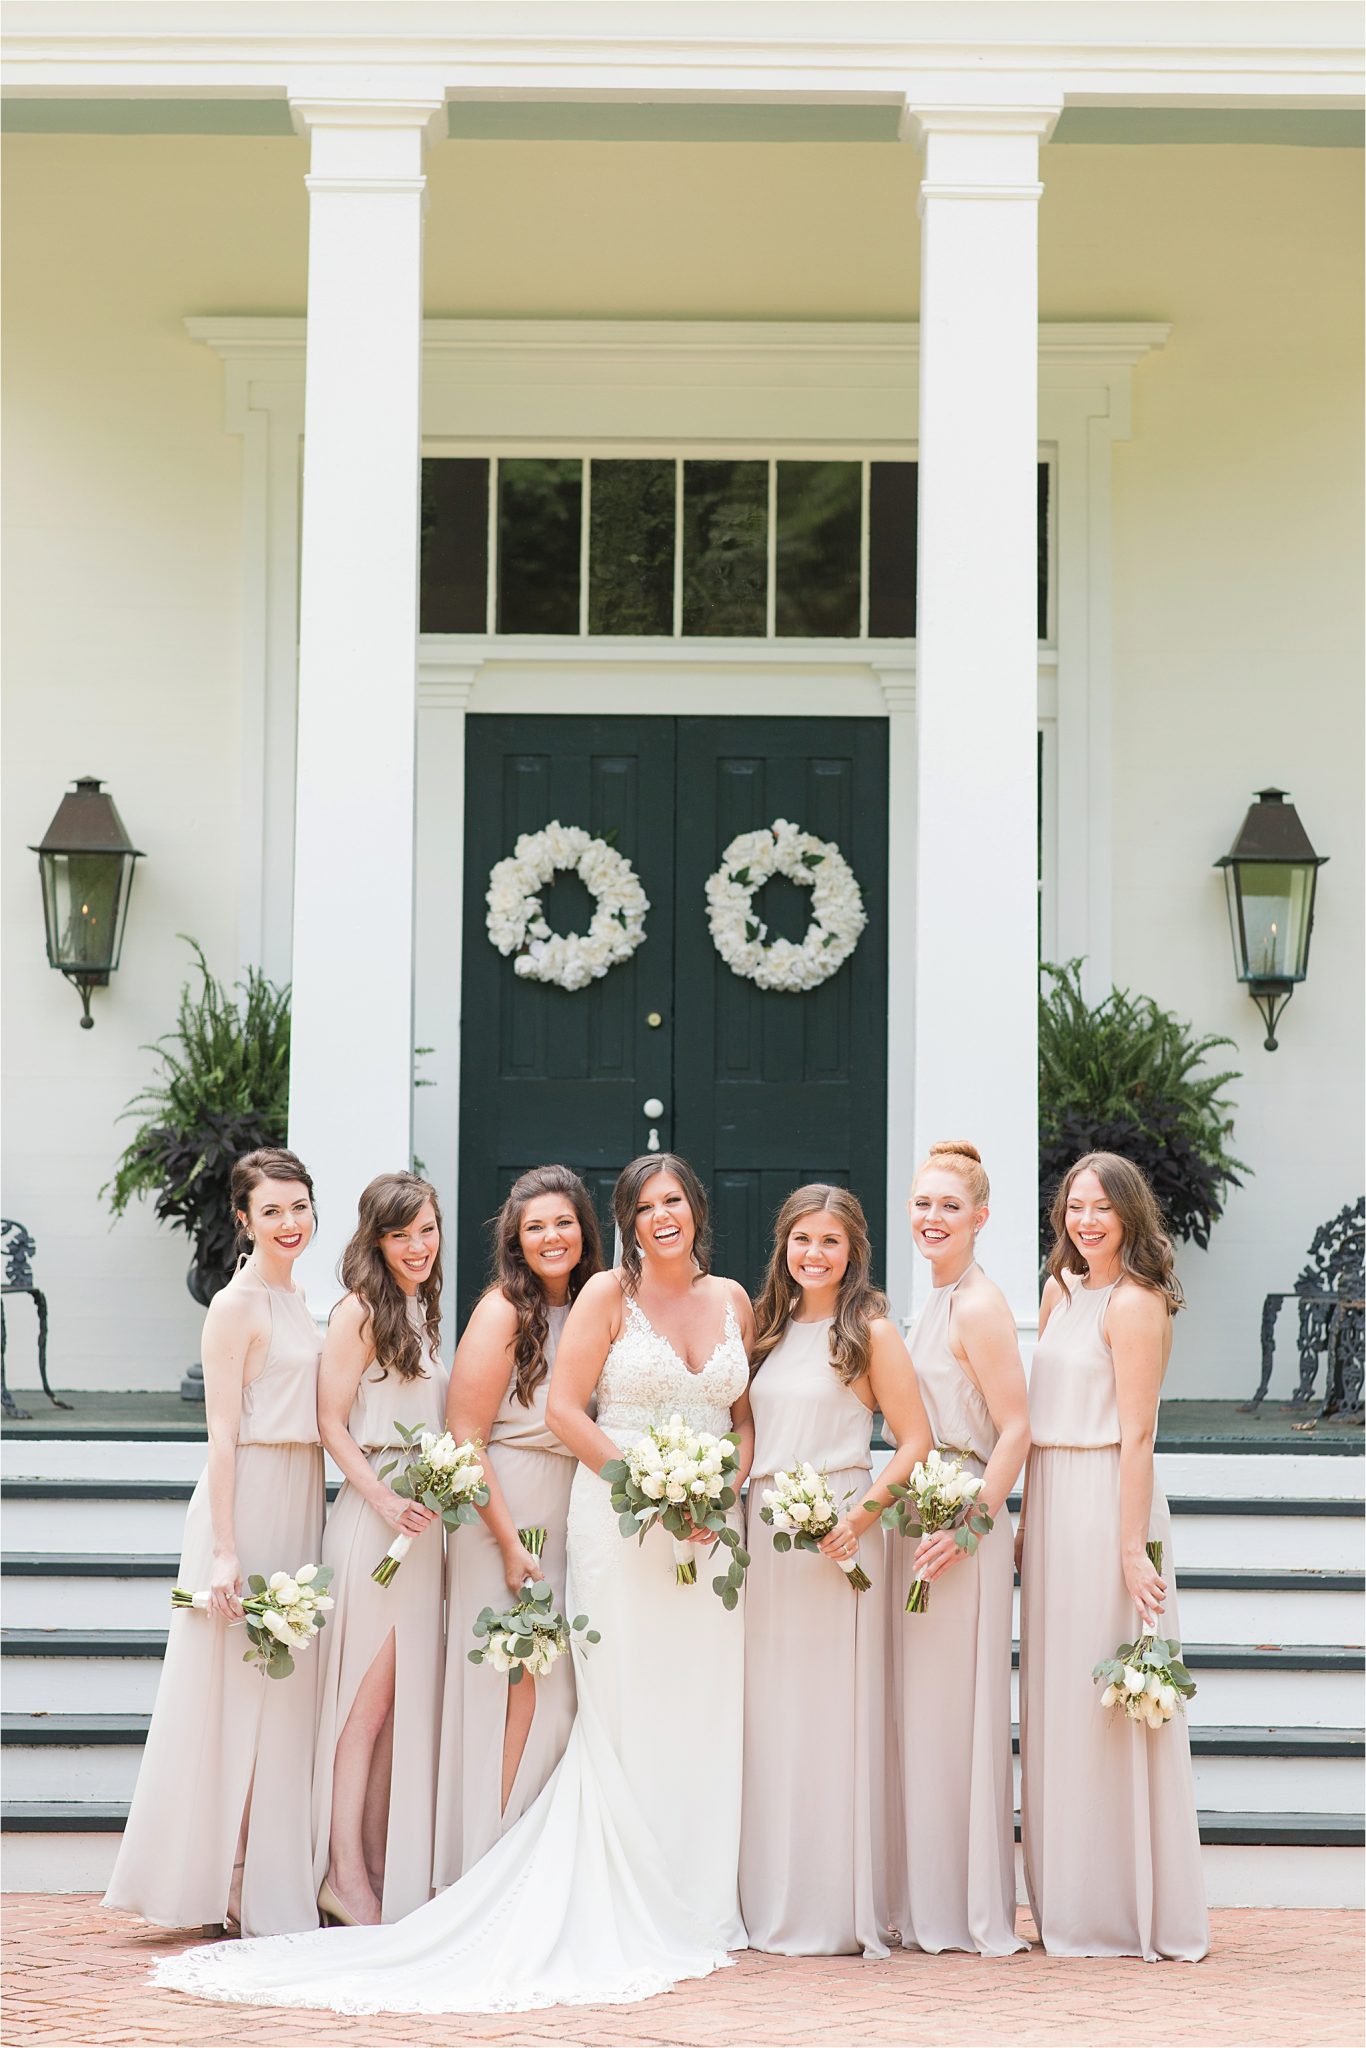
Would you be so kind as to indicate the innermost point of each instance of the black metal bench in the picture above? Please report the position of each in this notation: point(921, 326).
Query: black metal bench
point(18, 1256)
point(1331, 1304)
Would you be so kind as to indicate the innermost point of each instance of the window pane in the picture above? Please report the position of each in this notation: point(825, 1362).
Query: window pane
point(631, 548)
point(540, 508)
point(1043, 550)
point(892, 515)
point(819, 517)
point(725, 547)
point(455, 544)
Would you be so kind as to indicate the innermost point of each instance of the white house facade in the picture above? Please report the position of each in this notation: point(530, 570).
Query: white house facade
point(1094, 270)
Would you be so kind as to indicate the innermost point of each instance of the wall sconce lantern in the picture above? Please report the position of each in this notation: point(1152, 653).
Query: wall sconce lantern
point(1271, 873)
point(85, 860)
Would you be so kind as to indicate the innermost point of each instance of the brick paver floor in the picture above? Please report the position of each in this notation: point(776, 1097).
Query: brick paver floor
point(77, 1978)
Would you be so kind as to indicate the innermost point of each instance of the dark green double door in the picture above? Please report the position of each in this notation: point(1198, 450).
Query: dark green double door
point(759, 1090)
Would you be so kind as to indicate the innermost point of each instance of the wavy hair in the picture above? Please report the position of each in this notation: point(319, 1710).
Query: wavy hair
point(858, 1302)
point(626, 1200)
point(390, 1202)
point(267, 1162)
point(513, 1277)
point(1146, 1251)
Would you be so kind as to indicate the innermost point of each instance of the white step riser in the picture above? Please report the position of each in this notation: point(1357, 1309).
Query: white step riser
point(63, 1458)
point(1233, 1876)
point(88, 1603)
point(106, 1771)
point(80, 1685)
point(1323, 1543)
point(1219, 1615)
point(1271, 1699)
point(133, 1528)
point(1256, 1784)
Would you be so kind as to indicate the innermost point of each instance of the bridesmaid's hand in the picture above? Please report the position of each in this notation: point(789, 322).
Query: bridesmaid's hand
point(518, 1566)
point(225, 1586)
point(1019, 1544)
point(841, 1542)
point(405, 1517)
point(934, 1554)
point(1145, 1588)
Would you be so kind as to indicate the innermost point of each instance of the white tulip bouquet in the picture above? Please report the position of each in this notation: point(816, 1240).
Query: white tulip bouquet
point(444, 1476)
point(282, 1613)
point(940, 1494)
point(1146, 1680)
point(800, 1509)
point(684, 1479)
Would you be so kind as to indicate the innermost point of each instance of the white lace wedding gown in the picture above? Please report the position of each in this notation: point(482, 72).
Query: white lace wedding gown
point(620, 1880)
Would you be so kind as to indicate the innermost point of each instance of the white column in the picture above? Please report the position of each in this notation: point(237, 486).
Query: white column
point(977, 664)
point(350, 1107)
point(898, 690)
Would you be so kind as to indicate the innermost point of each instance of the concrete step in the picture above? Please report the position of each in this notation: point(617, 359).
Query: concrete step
point(1256, 1685)
point(1325, 1608)
point(62, 1671)
point(44, 1589)
point(1250, 1859)
point(95, 1758)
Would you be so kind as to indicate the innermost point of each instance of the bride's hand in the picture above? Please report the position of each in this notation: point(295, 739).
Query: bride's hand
point(704, 1537)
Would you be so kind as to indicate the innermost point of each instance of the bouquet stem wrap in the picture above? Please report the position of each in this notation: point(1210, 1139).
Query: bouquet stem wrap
point(685, 1562)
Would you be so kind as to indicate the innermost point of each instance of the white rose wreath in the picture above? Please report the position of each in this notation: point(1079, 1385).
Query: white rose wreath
point(837, 913)
point(516, 922)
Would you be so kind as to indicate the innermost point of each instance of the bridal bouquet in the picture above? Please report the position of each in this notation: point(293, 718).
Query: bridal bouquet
point(684, 1479)
point(1146, 1680)
point(940, 1494)
point(801, 1509)
point(283, 1613)
point(532, 1634)
point(445, 1476)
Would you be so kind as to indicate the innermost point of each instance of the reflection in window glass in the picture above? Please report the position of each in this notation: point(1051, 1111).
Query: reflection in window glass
point(819, 521)
point(892, 514)
point(540, 508)
point(455, 544)
point(631, 548)
point(725, 547)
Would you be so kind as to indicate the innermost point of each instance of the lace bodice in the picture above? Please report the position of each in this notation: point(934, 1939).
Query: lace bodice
point(645, 1381)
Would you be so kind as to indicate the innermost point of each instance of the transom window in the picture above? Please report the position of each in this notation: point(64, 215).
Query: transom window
point(676, 547)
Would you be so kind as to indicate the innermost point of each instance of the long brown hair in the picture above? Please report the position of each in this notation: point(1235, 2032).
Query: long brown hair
point(626, 1200)
point(858, 1302)
point(1146, 1252)
point(513, 1277)
point(267, 1162)
point(389, 1203)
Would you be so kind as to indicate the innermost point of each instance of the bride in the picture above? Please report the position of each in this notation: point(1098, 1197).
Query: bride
point(620, 1880)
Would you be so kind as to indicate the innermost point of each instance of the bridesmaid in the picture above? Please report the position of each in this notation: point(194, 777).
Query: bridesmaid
point(227, 1744)
point(816, 1842)
point(1111, 1839)
point(952, 1662)
point(546, 1245)
point(380, 1677)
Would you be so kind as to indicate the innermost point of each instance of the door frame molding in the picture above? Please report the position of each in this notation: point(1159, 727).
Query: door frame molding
point(630, 386)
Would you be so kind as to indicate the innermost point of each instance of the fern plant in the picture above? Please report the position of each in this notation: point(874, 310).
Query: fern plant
point(222, 1089)
point(1127, 1076)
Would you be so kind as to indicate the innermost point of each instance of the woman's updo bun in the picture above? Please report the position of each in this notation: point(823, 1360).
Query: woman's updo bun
point(956, 1155)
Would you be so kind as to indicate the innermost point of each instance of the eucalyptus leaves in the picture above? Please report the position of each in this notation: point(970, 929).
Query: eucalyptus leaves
point(1146, 1680)
point(684, 1479)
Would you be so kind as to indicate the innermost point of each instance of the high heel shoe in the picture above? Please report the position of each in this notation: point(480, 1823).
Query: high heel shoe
point(333, 1911)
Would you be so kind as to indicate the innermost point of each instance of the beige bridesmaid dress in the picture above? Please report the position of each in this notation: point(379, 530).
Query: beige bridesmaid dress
point(1111, 1838)
point(816, 1832)
point(536, 1473)
point(409, 1609)
point(223, 1733)
point(951, 1693)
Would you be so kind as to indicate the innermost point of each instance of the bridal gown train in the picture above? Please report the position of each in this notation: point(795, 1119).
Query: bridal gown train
point(620, 1880)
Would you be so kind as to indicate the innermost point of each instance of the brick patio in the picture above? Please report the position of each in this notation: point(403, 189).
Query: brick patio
point(77, 1978)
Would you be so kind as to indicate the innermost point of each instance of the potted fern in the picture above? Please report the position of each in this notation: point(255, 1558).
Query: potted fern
point(1127, 1076)
point(221, 1089)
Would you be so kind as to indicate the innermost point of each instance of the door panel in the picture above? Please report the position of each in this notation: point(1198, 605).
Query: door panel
point(761, 1091)
point(549, 1075)
point(773, 1089)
